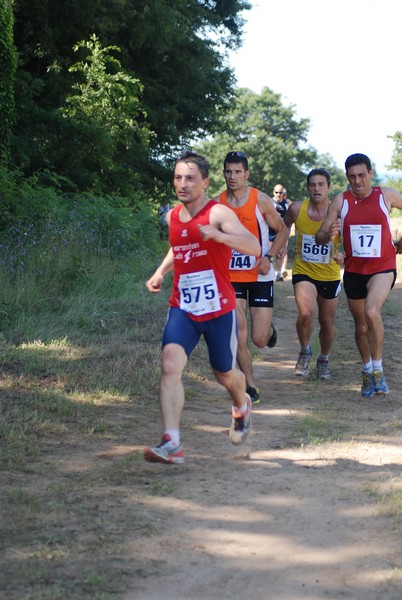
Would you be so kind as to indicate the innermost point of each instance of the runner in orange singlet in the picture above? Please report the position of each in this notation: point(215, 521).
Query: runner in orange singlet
point(252, 279)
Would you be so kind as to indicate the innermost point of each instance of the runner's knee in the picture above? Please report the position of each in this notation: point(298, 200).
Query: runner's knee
point(173, 362)
point(260, 340)
point(306, 316)
point(229, 378)
point(372, 314)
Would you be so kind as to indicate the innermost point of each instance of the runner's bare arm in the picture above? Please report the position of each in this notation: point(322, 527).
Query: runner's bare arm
point(331, 225)
point(292, 213)
point(393, 198)
point(154, 283)
point(225, 228)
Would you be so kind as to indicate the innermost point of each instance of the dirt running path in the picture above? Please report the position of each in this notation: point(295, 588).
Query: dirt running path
point(287, 517)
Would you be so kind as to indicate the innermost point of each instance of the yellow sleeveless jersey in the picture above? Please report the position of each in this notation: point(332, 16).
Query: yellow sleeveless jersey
point(311, 259)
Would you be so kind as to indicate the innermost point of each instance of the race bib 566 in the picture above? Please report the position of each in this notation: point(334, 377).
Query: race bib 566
point(312, 252)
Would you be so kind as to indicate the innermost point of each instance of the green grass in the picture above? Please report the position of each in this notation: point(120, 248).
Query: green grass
point(320, 427)
point(77, 351)
point(389, 495)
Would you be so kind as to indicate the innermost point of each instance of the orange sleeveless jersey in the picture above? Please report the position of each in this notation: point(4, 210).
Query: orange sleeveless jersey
point(242, 266)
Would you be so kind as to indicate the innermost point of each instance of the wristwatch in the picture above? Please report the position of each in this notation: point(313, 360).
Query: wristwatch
point(270, 257)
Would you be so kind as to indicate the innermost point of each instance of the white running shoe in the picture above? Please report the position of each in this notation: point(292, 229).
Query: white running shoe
point(241, 426)
point(303, 364)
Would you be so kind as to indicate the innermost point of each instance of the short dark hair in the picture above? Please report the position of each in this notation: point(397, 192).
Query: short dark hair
point(357, 159)
point(236, 157)
point(192, 157)
point(319, 171)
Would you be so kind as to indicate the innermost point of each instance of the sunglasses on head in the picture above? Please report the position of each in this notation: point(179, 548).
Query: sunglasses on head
point(236, 155)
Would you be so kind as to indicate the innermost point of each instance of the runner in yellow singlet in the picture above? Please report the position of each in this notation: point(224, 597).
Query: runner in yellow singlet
point(315, 274)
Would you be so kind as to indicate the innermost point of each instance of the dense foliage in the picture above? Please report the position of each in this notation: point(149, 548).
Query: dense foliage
point(106, 92)
point(170, 78)
point(8, 62)
point(44, 230)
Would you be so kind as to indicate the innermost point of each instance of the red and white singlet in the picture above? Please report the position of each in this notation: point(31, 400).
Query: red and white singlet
point(201, 283)
point(366, 234)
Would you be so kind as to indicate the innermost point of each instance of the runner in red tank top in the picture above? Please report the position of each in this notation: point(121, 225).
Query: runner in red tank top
point(202, 233)
point(362, 217)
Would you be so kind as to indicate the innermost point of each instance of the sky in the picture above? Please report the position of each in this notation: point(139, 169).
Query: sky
point(337, 62)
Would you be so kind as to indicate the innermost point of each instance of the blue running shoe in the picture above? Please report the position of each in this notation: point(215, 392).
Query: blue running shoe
point(367, 385)
point(379, 383)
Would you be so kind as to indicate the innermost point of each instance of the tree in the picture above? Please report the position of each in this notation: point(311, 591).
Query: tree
point(106, 102)
point(272, 136)
point(176, 49)
point(338, 178)
point(396, 161)
point(8, 62)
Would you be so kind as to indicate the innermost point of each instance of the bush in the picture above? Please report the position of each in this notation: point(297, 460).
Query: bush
point(57, 247)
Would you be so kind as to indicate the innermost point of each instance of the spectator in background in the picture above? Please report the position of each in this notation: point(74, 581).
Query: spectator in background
point(281, 203)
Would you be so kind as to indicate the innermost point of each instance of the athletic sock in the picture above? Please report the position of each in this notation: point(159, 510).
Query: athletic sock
point(174, 436)
point(239, 412)
point(368, 366)
point(306, 349)
point(377, 365)
point(324, 357)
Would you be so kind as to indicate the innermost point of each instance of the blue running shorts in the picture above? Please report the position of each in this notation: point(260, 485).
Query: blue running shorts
point(220, 335)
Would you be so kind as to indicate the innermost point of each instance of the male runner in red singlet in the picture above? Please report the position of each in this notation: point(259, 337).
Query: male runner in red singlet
point(252, 279)
point(201, 233)
point(362, 217)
